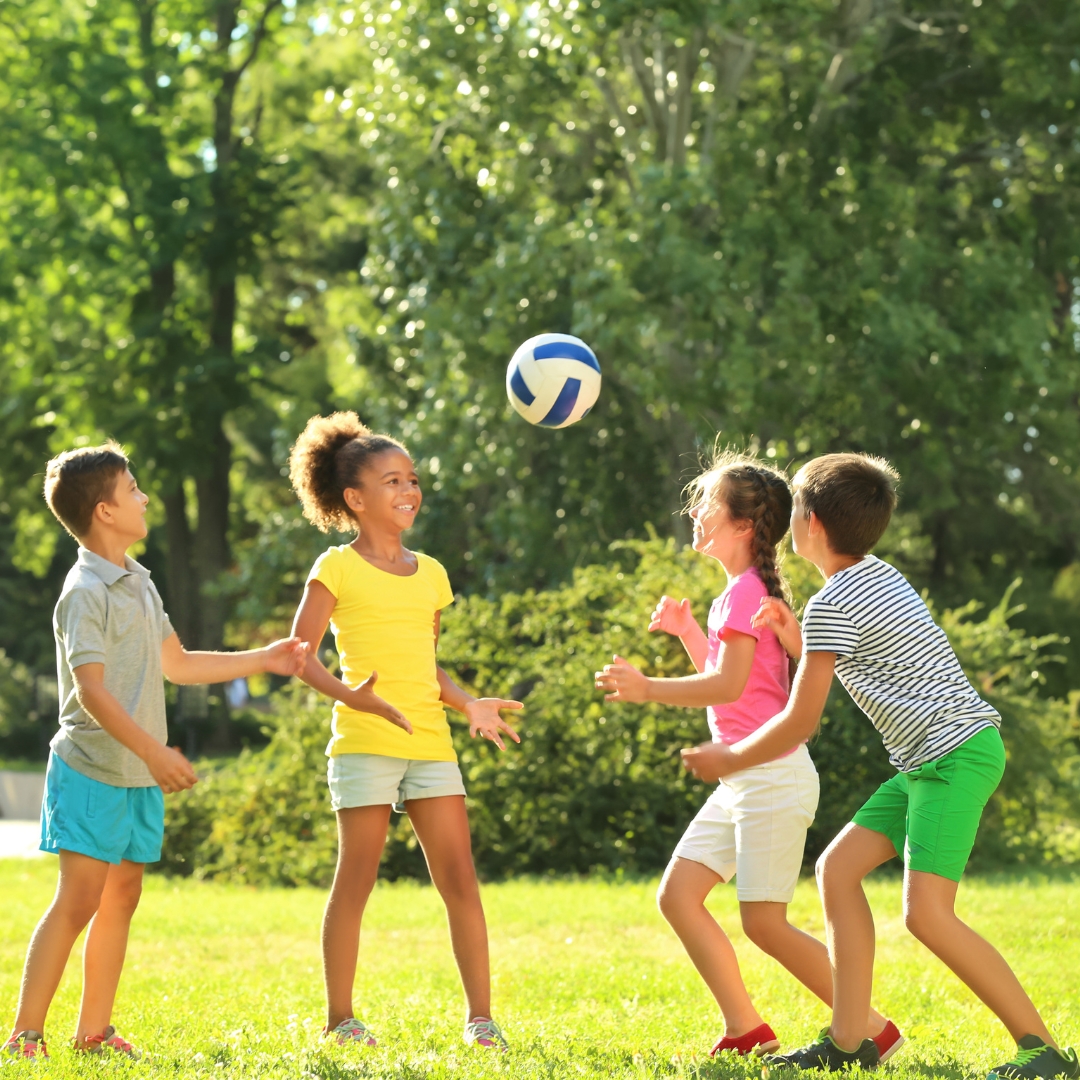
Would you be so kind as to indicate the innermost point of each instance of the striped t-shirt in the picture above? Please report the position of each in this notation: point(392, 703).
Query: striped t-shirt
point(895, 662)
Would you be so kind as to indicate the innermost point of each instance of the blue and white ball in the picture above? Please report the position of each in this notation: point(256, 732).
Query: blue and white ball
point(553, 380)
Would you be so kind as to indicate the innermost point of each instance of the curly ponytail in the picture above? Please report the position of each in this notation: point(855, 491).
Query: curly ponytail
point(755, 492)
point(328, 457)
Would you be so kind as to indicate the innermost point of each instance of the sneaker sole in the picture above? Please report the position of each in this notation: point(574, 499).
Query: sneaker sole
point(892, 1050)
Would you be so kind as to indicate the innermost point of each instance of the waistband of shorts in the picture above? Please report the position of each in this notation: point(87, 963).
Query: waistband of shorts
point(799, 758)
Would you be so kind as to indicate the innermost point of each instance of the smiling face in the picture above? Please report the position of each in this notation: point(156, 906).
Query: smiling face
point(718, 535)
point(124, 512)
point(388, 495)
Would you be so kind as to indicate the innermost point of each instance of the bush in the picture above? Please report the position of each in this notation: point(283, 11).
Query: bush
point(595, 785)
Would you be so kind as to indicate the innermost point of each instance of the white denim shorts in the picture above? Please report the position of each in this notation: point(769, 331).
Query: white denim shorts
point(376, 780)
point(753, 826)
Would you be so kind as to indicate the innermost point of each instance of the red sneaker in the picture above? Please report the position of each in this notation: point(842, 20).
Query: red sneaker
point(889, 1041)
point(27, 1046)
point(762, 1040)
point(108, 1041)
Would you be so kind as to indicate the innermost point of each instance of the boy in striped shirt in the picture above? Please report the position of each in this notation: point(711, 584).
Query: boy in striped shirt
point(871, 629)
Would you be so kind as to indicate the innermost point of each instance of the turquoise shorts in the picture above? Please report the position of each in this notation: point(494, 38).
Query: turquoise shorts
point(932, 813)
point(105, 822)
point(378, 780)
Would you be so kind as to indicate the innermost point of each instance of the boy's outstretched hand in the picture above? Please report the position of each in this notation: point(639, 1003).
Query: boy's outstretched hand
point(286, 657)
point(364, 699)
point(775, 615)
point(485, 721)
point(673, 617)
point(709, 761)
point(621, 681)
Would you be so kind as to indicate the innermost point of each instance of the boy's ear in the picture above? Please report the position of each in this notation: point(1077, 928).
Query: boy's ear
point(817, 530)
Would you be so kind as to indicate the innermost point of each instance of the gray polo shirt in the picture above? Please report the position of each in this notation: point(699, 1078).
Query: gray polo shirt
point(113, 616)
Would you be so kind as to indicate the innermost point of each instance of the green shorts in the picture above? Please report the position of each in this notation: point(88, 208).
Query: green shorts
point(932, 813)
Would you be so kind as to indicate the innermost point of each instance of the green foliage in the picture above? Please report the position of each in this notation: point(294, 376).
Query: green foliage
point(599, 786)
point(16, 702)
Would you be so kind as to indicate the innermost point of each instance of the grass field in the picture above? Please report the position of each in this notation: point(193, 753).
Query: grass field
point(224, 982)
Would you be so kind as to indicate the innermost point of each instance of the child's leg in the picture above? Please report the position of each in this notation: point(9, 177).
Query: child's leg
point(78, 891)
point(106, 946)
point(681, 899)
point(930, 916)
point(442, 827)
point(766, 925)
point(849, 927)
point(361, 838)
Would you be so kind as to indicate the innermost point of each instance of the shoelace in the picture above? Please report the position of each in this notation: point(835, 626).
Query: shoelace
point(486, 1029)
point(24, 1047)
point(352, 1030)
point(1024, 1056)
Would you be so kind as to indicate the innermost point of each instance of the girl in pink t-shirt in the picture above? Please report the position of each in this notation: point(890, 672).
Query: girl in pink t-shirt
point(754, 824)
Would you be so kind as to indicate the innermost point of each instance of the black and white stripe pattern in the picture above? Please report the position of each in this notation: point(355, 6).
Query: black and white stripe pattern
point(895, 662)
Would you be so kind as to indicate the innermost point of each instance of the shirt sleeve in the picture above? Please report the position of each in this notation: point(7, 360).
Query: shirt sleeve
point(826, 628)
point(444, 593)
point(327, 571)
point(167, 629)
point(740, 604)
point(80, 619)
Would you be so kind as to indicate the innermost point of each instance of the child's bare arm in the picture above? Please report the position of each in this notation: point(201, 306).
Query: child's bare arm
point(782, 733)
point(171, 770)
point(310, 623)
point(482, 713)
point(284, 657)
point(623, 682)
point(675, 617)
point(780, 619)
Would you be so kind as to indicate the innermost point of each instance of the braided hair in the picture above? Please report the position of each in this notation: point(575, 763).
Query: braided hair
point(328, 457)
point(755, 492)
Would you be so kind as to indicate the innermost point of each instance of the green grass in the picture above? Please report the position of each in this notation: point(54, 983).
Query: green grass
point(225, 982)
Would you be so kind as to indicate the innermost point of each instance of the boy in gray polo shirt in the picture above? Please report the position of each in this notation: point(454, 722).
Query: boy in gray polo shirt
point(104, 812)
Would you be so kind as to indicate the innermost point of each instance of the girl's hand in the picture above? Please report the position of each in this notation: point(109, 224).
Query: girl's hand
point(709, 761)
point(364, 699)
point(775, 615)
point(485, 721)
point(623, 681)
point(285, 657)
point(673, 617)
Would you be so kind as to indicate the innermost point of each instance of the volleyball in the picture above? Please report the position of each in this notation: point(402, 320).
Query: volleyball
point(553, 380)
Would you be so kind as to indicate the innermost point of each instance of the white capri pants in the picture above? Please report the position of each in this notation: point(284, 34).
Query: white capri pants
point(753, 826)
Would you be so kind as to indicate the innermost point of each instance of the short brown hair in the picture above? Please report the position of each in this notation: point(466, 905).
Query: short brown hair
point(328, 457)
point(853, 496)
point(77, 480)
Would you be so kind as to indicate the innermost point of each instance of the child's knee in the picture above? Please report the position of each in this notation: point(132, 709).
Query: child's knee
point(923, 920)
point(457, 882)
point(75, 910)
point(760, 926)
point(666, 898)
point(674, 903)
point(124, 897)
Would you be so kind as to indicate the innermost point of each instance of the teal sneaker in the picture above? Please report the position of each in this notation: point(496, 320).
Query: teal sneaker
point(351, 1031)
point(825, 1056)
point(483, 1031)
point(1035, 1060)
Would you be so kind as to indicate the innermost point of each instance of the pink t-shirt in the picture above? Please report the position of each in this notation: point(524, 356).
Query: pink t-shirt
point(768, 684)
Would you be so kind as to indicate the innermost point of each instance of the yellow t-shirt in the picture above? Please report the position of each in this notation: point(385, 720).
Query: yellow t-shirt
point(386, 623)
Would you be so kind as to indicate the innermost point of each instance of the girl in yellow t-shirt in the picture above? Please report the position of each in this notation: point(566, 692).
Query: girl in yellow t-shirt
point(390, 748)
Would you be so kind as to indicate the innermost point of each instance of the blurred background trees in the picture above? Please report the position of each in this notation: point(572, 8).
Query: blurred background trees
point(804, 226)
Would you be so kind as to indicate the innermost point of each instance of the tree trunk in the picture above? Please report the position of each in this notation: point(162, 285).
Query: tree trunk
point(183, 589)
